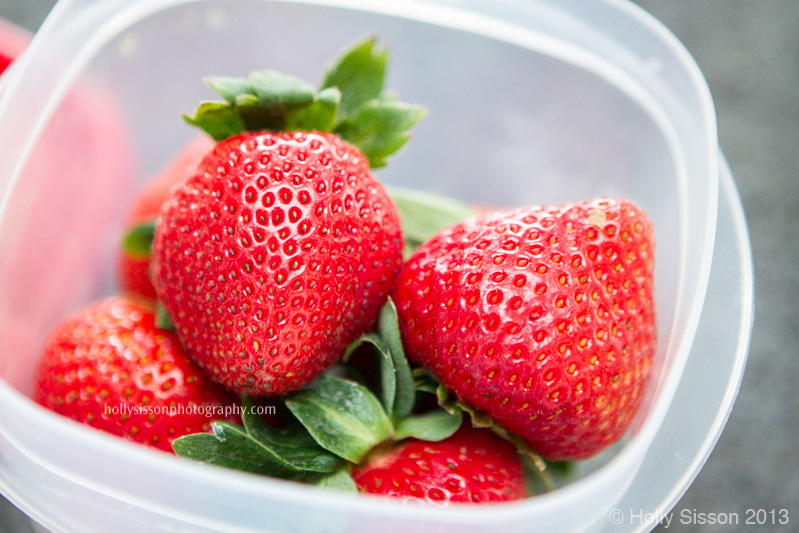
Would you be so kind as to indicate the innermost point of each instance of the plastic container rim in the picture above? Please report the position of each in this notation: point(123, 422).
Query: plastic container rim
point(633, 448)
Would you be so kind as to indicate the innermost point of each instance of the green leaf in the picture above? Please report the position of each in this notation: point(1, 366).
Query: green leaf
point(230, 88)
point(266, 100)
point(246, 100)
point(563, 468)
point(350, 103)
point(340, 480)
point(397, 389)
point(405, 392)
point(138, 241)
point(434, 425)
point(229, 446)
point(387, 369)
point(380, 127)
point(424, 214)
point(255, 117)
point(292, 448)
point(424, 380)
point(319, 115)
point(388, 382)
point(452, 404)
point(274, 88)
point(344, 417)
point(162, 320)
point(533, 463)
point(359, 74)
point(217, 119)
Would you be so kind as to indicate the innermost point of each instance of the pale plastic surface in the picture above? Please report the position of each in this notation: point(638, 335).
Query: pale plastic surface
point(720, 350)
point(531, 102)
point(709, 384)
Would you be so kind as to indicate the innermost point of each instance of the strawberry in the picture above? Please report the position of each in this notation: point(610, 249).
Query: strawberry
point(108, 366)
point(472, 466)
point(282, 248)
point(269, 273)
point(5, 61)
point(133, 270)
point(13, 41)
point(344, 435)
point(540, 318)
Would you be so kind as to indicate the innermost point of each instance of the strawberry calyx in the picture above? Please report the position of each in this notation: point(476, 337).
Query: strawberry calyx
point(341, 421)
point(397, 388)
point(288, 453)
point(350, 102)
point(137, 242)
point(534, 463)
point(162, 320)
point(337, 422)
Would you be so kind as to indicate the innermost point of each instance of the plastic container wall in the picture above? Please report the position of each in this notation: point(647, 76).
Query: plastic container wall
point(530, 102)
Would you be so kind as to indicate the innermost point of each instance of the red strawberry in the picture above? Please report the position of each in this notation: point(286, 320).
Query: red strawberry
point(472, 466)
point(13, 41)
point(542, 318)
point(5, 61)
point(282, 248)
point(108, 366)
point(275, 256)
point(133, 271)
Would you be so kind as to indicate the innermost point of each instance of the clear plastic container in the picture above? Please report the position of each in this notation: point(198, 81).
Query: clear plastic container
point(709, 384)
point(530, 102)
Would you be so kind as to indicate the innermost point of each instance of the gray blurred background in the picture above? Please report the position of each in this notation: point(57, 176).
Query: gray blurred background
point(749, 52)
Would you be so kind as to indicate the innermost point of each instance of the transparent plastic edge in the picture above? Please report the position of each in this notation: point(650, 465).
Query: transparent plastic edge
point(637, 440)
point(745, 321)
point(665, 390)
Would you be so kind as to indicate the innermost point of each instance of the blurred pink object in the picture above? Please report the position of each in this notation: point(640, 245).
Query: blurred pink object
point(82, 158)
point(13, 41)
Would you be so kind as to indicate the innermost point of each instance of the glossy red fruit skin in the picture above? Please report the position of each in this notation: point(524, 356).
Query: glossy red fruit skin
point(109, 367)
point(542, 318)
point(274, 256)
point(5, 61)
point(133, 271)
point(471, 466)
